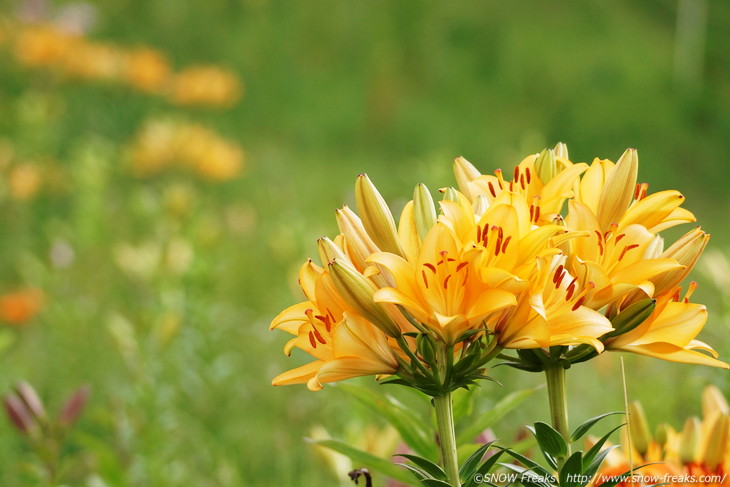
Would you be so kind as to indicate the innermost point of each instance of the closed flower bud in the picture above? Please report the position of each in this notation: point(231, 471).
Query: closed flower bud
point(75, 405)
point(19, 414)
point(691, 433)
point(713, 402)
point(424, 210)
point(561, 150)
point(465, 173)
point(376, 216)
point(686, 251)
point(30, 397)
point(545, 165)
point(358, 291)
point(640, 434)
point(618, 191)
point(358, 242)
point(715, 445)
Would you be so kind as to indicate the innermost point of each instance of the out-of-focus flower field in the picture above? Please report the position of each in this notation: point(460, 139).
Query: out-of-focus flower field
point(165, 167)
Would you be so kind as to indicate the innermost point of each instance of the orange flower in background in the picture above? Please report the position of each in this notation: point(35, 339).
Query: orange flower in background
point(147, 69)
point(18, 308)
point(698, 455)
point(205, 85)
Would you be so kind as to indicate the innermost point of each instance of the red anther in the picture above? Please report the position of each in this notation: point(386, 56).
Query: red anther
point(318, 335)
point(446, 281)
point(626, 249)
point(527, 173)
point(516, 173)
point(491, 189)
point(578, 303)
point(618, 238)
point(312, 341)
point(430, 266)
point(571, 289)
point(461, 266)
point(506, 241)
point(558, 273)
point(537, 213)
point(425, 279)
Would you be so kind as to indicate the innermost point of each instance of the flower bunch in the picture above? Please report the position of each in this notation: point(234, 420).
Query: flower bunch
point(559, 263)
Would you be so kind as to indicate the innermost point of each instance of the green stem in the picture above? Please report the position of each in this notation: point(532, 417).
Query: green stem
point(447, 437)
point(558, 398)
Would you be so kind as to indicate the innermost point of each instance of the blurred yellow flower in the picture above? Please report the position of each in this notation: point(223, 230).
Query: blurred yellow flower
point(146, 69)
point(205, 85)
point(164, 143)
point(24, 181)
point(44, 45)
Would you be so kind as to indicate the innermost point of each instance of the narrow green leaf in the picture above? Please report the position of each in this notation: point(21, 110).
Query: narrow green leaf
point(428, 466)
point(533, 466)
point(381, 465)
point(469, 467)
point(419, 473)
point(491, 417)
point(593, 467)
point(550, 441)
point(572, 471)
point(412, 429)
point(590, 454)
point(435, 483)
point(528, 477)
point(587, 425)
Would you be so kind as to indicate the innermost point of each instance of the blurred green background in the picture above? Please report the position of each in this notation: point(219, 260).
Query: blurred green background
point(158, 286)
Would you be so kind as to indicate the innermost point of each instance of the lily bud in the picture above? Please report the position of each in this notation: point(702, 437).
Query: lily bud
point(655, 248)
point(639, 426)
point(358, 291)
point(29, 396)
point(662, 433)
point(686, 251)
point(715, 444)
point(561, 150)
point(75, 406)
point(689, 447)
point(545, 165)
point(480, 206)
point(358, 242)
point(618, 191)
point(19, 414)
point(424, 210)
point(631, 317)
point(450, 194)
point(713, 402)
point(376, 216)
point(465, 173)
point(329, 251)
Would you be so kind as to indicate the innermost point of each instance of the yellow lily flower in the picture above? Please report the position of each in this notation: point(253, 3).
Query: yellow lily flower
point(343, 343)
point(441, 289)
point(551, 312)
point(545, 198)
point(669, 332)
